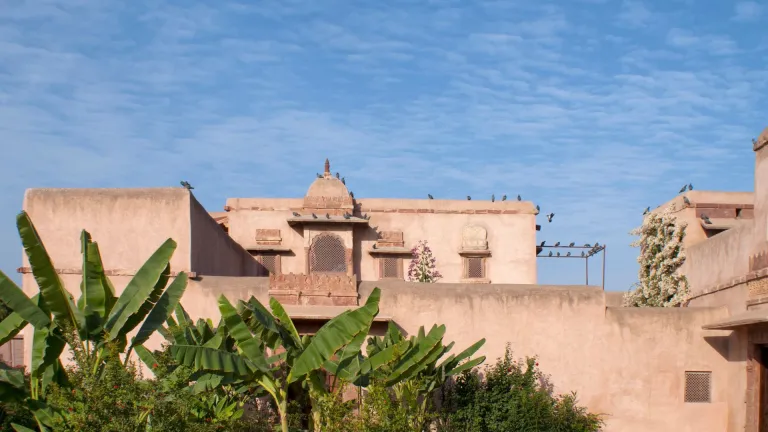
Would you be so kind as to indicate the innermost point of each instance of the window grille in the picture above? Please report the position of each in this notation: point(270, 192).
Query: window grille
point(270, 264)
point(327, 255)
point(698, 387)
point(390, 268)
point(474, 268)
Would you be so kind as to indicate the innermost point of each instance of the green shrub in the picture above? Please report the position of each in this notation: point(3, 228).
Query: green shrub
point(511, 396)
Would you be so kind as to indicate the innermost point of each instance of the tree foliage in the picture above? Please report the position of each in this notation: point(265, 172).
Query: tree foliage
point(661, 255)
point(423, 264)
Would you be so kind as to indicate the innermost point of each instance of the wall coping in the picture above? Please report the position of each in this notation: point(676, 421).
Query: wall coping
point(731, 283)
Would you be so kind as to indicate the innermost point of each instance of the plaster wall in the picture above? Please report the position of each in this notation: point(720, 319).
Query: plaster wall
point(718, 260)
point(760, 239)
point(628, 363)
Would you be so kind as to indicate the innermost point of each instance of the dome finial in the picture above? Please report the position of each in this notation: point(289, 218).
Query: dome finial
point(327, 168)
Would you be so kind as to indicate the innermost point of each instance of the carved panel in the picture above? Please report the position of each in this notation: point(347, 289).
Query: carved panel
point(390, 239)
point(314, 289)
point(474, 238)
point(268, 237)
point(758, 287)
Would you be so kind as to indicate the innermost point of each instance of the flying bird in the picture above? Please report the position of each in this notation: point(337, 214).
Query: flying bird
point(686, 200)
point(572, 244)
point(648, 210)
point(690, 186)
point(557, 244)
point(683, 188)
point(314, 216)
point(542, 243)
point(493, 198)
point(430, 196)
point(550, 216)
point(469, 198)
point(706, 219)
point(519, 198)
point(186, 185)
point(504, 197)
point(296, 214)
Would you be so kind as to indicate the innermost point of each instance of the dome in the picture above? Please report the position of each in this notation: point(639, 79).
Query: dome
point(328, 192)
point(327, 187)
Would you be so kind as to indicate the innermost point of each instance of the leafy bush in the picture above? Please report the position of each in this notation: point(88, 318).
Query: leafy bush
point(511, 396)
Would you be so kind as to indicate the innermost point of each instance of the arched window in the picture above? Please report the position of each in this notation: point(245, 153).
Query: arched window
point(327, 254)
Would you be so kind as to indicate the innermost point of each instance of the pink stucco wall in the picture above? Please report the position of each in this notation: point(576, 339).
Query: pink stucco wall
point(718, 260)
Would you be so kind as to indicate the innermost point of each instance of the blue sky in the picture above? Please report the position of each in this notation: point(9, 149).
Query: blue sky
point(591, 109)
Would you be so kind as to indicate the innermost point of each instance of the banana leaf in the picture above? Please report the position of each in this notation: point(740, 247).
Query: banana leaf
point(12, 325)
point(15, 298)
point(335, 334)
point(162, 309)
point(139, 289)
point(47, 346)
point(413, 360)
point(210, 359)
point(246, 343)
point(149, 303)
point(98, 294)
point(57, 299)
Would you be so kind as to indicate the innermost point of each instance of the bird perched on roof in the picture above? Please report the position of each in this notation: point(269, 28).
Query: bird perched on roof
point(346, 215)
point(504, 197)
point(430, 196)
point(542, 243)
point(351, 195)
point(706, 219)
point(296, 214)
point(374, 246)
point(686, 200)
point(648, 210)
point(186, 185)
point(572, 244)
point(538, 209)
point(557, 244)
point(469, 198)
point(568, 254)
point(343, 181)
point(690, 186)
point(519, 198)
point(314, 216)
point(683, 189)
point(550, 216)
point(337, 176)
point(327, 216)
point(493, 198)
point(550, 253)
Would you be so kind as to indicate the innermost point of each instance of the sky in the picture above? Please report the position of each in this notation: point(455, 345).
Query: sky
point(591, 109)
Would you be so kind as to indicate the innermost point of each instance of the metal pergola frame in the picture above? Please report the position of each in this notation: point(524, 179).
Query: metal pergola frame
point(593, 250)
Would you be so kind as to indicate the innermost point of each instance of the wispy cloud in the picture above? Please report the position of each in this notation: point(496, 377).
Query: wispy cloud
point(747, 11)
point(590, 120)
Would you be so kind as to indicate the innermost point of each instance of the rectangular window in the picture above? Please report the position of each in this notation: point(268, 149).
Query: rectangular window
point(474, 267)
point(390, 268)
point(270, 264)
point(698, 387)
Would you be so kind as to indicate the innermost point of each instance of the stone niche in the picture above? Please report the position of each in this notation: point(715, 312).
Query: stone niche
point(314, 289)
point(474, 238)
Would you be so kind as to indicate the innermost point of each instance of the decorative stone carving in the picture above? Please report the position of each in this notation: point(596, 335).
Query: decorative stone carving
point(314, 289)
point(268, 237)
point(474, 238)
point(390, 239)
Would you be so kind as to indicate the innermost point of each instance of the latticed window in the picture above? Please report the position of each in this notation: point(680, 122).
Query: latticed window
point(698, 387)
point(270, 264)
point(390, 268)
point(474, 268)
point(327, 254)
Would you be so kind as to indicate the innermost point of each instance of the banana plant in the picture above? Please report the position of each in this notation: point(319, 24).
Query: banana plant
point(97, 320)
point(269, 351)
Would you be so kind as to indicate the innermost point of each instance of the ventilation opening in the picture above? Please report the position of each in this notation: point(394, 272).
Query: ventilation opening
point(270, 264)
point(474, 268)
point(327, 255)
point(698, 387)
point(390, 268)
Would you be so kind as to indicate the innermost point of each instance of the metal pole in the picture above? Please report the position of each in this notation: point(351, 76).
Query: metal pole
point(605, 248)
point(587, 271)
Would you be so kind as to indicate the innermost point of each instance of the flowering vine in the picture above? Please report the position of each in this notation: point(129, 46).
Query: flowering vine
point(661, 255)
point(422, 267)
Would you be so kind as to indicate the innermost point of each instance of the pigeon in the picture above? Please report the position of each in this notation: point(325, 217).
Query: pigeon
point(686, 200)
point(706, 219)
point(538, 209)
point(550, 253)
point(690, 186)
point(550, 216)
point(343, 181)
point(587, 245)
point(346, 216)
point(557, 244)
point(568, 254)
point(504, 197)
point(186, 185)
point(351, 195)
point(519, 198)
point(296, 214)
point(597, 244)
point(542, 243)
point(683, 189)
point(493, 198)
point(558, 254)
point(319, 175)
point(582, 254)
point(469, 198)
point(374, 245)
point(337, 175)
point(572, 244)
point(646, 211)
point(314, 216)
point(430, 196)
point(327, 216)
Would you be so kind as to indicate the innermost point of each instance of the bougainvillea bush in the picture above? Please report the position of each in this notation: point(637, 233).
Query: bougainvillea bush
point(423, 265)
point(661, 255)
